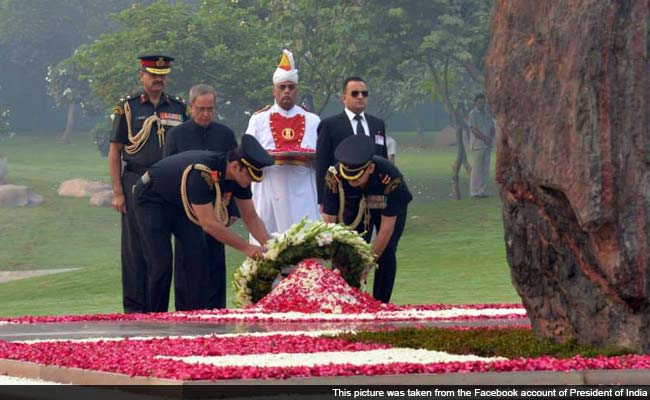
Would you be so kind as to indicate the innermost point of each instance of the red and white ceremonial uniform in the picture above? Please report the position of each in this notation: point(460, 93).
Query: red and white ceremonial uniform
point(288, 191)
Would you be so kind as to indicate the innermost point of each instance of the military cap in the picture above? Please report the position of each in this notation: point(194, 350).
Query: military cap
point(156, 64)
point(254, 157)
point(354, 154)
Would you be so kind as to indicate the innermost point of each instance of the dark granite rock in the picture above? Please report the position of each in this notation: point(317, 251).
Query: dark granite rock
point(569, 84)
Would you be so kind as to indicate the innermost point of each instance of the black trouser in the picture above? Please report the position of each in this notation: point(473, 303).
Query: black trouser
point(200, 275)
point(215, 260)
point(385, 274)
point(134, 267)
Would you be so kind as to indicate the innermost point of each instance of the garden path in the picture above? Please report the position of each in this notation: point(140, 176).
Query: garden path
point(8, 276)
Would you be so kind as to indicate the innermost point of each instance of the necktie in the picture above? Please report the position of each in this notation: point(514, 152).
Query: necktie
point(360, 130)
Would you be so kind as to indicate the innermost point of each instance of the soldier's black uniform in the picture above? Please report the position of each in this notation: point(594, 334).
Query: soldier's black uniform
point(385, 193)
point(191, 136)
point(161, 213)
point(171, 111)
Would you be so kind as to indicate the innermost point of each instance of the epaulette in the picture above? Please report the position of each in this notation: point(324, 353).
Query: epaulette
point(117, 110)
point(332, 179)
point(266, 107)
point(119, 107)
point(392, 184)
point(177, 99)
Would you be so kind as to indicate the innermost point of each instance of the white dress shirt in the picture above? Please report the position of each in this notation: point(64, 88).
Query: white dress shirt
point(354, 122)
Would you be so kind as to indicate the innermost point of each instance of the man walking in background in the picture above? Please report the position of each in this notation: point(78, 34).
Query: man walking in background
point(353, 120)
point(137, 139)
point(481, 126)
point(288, 193)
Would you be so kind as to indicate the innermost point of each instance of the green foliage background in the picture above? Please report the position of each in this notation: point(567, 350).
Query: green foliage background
point(409, 50)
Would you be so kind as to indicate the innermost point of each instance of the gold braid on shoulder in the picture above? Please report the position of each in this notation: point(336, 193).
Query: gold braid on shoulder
point(220, 209)
point(139, 139)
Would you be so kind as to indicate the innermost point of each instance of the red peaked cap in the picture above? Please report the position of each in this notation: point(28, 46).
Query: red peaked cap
point(156, 64)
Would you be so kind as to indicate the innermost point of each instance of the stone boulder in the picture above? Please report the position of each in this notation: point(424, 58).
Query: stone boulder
point(81, 188)
point(102, 199)
point(18, 196)
point(568, 83)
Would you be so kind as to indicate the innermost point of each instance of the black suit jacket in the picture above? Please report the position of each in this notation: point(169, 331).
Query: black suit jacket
point(331, 131)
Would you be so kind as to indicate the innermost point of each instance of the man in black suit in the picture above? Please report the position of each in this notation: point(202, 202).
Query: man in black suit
point(353, 120)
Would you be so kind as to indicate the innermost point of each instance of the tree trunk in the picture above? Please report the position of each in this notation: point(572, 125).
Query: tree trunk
point(419, 131)
point(461, 157)
point(568, 83)
point(65, 137)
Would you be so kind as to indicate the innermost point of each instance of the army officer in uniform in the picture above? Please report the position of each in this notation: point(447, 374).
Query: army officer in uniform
point(374, 195)
point(137, 139)
point(187, 194)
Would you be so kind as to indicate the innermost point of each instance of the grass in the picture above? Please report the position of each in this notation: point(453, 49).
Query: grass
point(451, 251)
point(484, 342)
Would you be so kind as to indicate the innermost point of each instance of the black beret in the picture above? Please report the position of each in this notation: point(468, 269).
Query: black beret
point(253, 155)
point(354, 154)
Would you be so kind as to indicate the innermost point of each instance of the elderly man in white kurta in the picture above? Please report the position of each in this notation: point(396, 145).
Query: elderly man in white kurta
point(288, 192)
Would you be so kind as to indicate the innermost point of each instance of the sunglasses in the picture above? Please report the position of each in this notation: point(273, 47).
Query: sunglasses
point(284, 87)
point(355, 93)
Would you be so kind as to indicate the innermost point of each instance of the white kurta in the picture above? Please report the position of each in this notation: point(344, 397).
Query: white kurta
point(288, 192)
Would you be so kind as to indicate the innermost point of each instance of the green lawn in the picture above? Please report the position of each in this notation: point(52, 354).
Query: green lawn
point(451, 251)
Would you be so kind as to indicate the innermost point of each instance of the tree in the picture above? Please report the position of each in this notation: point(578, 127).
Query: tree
point(31, 32)
point(403, 88)
point(219, 43)
point(36, 35)
point(331, 39)
point(454, 51)
point(458, 104)
point(68, 89)
point(240, 58)
point(235, 46)
point(448, 39)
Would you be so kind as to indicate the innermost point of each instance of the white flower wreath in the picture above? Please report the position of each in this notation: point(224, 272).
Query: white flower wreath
point(346, 249)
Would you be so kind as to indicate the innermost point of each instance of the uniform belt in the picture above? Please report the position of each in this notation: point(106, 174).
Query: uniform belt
point(141, 183)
